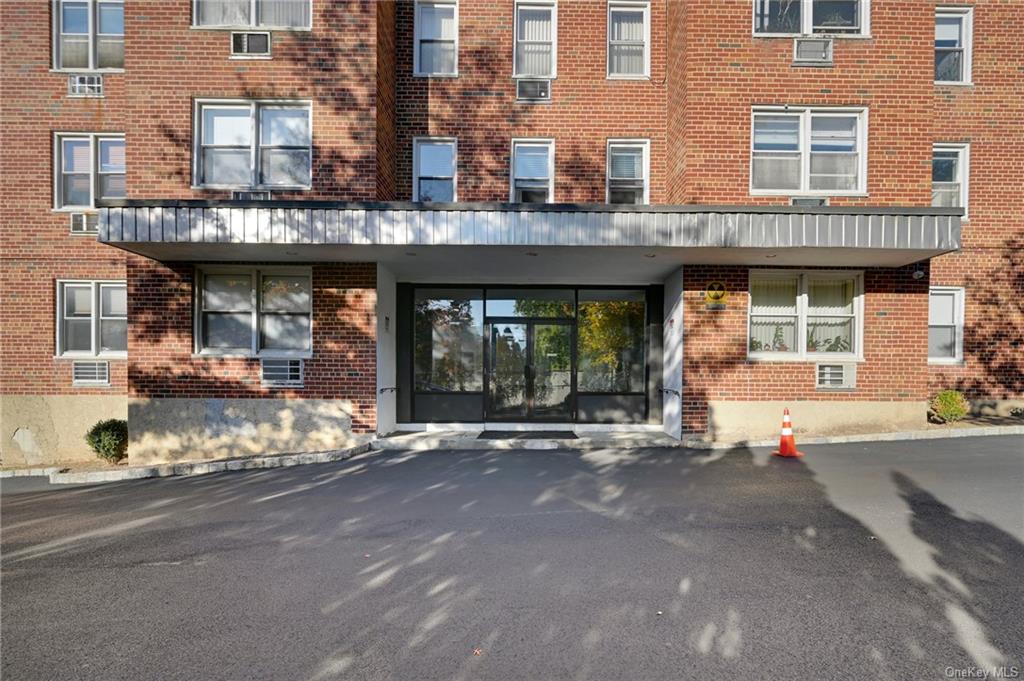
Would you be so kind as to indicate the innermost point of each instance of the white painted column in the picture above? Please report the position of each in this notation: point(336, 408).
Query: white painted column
point(387, 377)
point(672, 364)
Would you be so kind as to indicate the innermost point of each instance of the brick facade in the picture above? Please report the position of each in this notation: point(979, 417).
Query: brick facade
point(356, 67)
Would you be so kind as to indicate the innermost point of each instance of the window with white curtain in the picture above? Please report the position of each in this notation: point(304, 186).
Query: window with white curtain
point(88, 167)
point(805, 17)
point(953, 35)
point(535, 38)
point(629, 33)
point(436, 39)
point(434, 168)
point(795, 314)
point(949, 175)
point(798, 151)
point(88, 35)
point(244, 144)
point(260, 312)
point(945, 324)
point(533, 170)
point(280, 14)
point(92, 318)
point(628, 170)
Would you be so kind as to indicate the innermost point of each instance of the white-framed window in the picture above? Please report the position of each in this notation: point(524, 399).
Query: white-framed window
point(88, 35)
point(87, 166)
point(805, 314)
point(434, 169)
point(536, 40)
point(629, 39)
point(436, 43)
point(628, 171)
point(808, 151)
point(945, 324)
point(92, 318)
point(953, 37)
point(533, 171)
point(950, 175)
point(243, 144)
point(258, 312)
point(275, 14)
point(807, 17)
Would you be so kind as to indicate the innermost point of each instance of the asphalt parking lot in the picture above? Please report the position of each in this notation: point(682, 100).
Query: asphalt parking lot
point(867, 561)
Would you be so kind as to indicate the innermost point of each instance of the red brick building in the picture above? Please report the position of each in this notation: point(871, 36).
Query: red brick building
point(284, 225)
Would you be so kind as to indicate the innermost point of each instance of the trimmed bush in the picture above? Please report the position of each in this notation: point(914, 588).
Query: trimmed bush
point(948, 406)
point(109, 439)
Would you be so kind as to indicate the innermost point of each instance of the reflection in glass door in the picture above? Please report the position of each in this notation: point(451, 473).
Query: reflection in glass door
point(507, 371)
point(530, 369)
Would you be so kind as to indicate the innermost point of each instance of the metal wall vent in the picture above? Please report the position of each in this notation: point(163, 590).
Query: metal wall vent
point(530, 90)
point(85, 223)
point(281, 372)
point(250, 44)
point(812, 51)
point(837, 376)
point(82, 85)
point(90, 373)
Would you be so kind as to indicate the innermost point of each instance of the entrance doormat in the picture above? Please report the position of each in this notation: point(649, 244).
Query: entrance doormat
point(527, 435)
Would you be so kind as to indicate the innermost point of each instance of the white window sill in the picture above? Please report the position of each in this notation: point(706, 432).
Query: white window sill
point(954, 83)
point(204, 354)
point(89, 356)
point(945, 361)
point(551, 77)
point(87, 72)
point(808, 195)
point(248, 188)
point(837, 36)
point(251, 29)
point(74, 209)
point(85, 384)
point(251, 57)
point(806, 359)
point(436, 75)
point(637, 77)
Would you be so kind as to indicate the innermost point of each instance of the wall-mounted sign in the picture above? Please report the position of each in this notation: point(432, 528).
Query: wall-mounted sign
point(715, 295)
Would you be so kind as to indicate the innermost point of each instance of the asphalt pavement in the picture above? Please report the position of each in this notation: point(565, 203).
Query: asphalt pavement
point(875, 561)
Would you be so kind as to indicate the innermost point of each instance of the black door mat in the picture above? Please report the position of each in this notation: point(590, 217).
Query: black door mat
point(527, 435)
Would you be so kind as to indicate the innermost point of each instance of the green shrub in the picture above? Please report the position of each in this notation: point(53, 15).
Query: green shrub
point(948, 406)
point(109, 439)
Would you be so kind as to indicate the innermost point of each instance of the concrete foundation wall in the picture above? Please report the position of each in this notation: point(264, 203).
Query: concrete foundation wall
point(763, 420)
point(176, 429)
point(49, 429)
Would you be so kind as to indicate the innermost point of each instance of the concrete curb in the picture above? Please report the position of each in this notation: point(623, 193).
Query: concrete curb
point(930, 434)
point(466, 443)
point(204, 467)
point(28, 472)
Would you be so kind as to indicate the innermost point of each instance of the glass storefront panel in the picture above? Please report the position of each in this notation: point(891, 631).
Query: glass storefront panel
point(448, 340)
point(610, 345)
point(536, 302)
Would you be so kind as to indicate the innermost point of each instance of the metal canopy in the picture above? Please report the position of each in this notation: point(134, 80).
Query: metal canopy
point(204, 230)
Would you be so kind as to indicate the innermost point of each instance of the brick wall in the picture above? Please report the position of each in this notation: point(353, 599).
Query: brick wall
point(715, 364)
point(990, 116)
point(479, 106)
point(343, 365)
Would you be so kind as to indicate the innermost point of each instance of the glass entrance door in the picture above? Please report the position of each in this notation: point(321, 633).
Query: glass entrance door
point(530, 370)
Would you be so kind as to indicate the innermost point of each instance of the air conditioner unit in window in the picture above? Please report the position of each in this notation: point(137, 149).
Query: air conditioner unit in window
point(281, 372)
point(90, 373)
point(250, 44)
point(85, 223)
point(250, 196)
point(836, 376)
point(531, 90)
point(812, 51)
point(82, 85)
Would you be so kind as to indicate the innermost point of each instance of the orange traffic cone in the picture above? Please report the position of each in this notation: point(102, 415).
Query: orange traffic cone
point(787, 445)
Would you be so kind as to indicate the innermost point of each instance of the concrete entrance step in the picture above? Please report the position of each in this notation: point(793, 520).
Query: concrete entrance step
point(470, 439)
